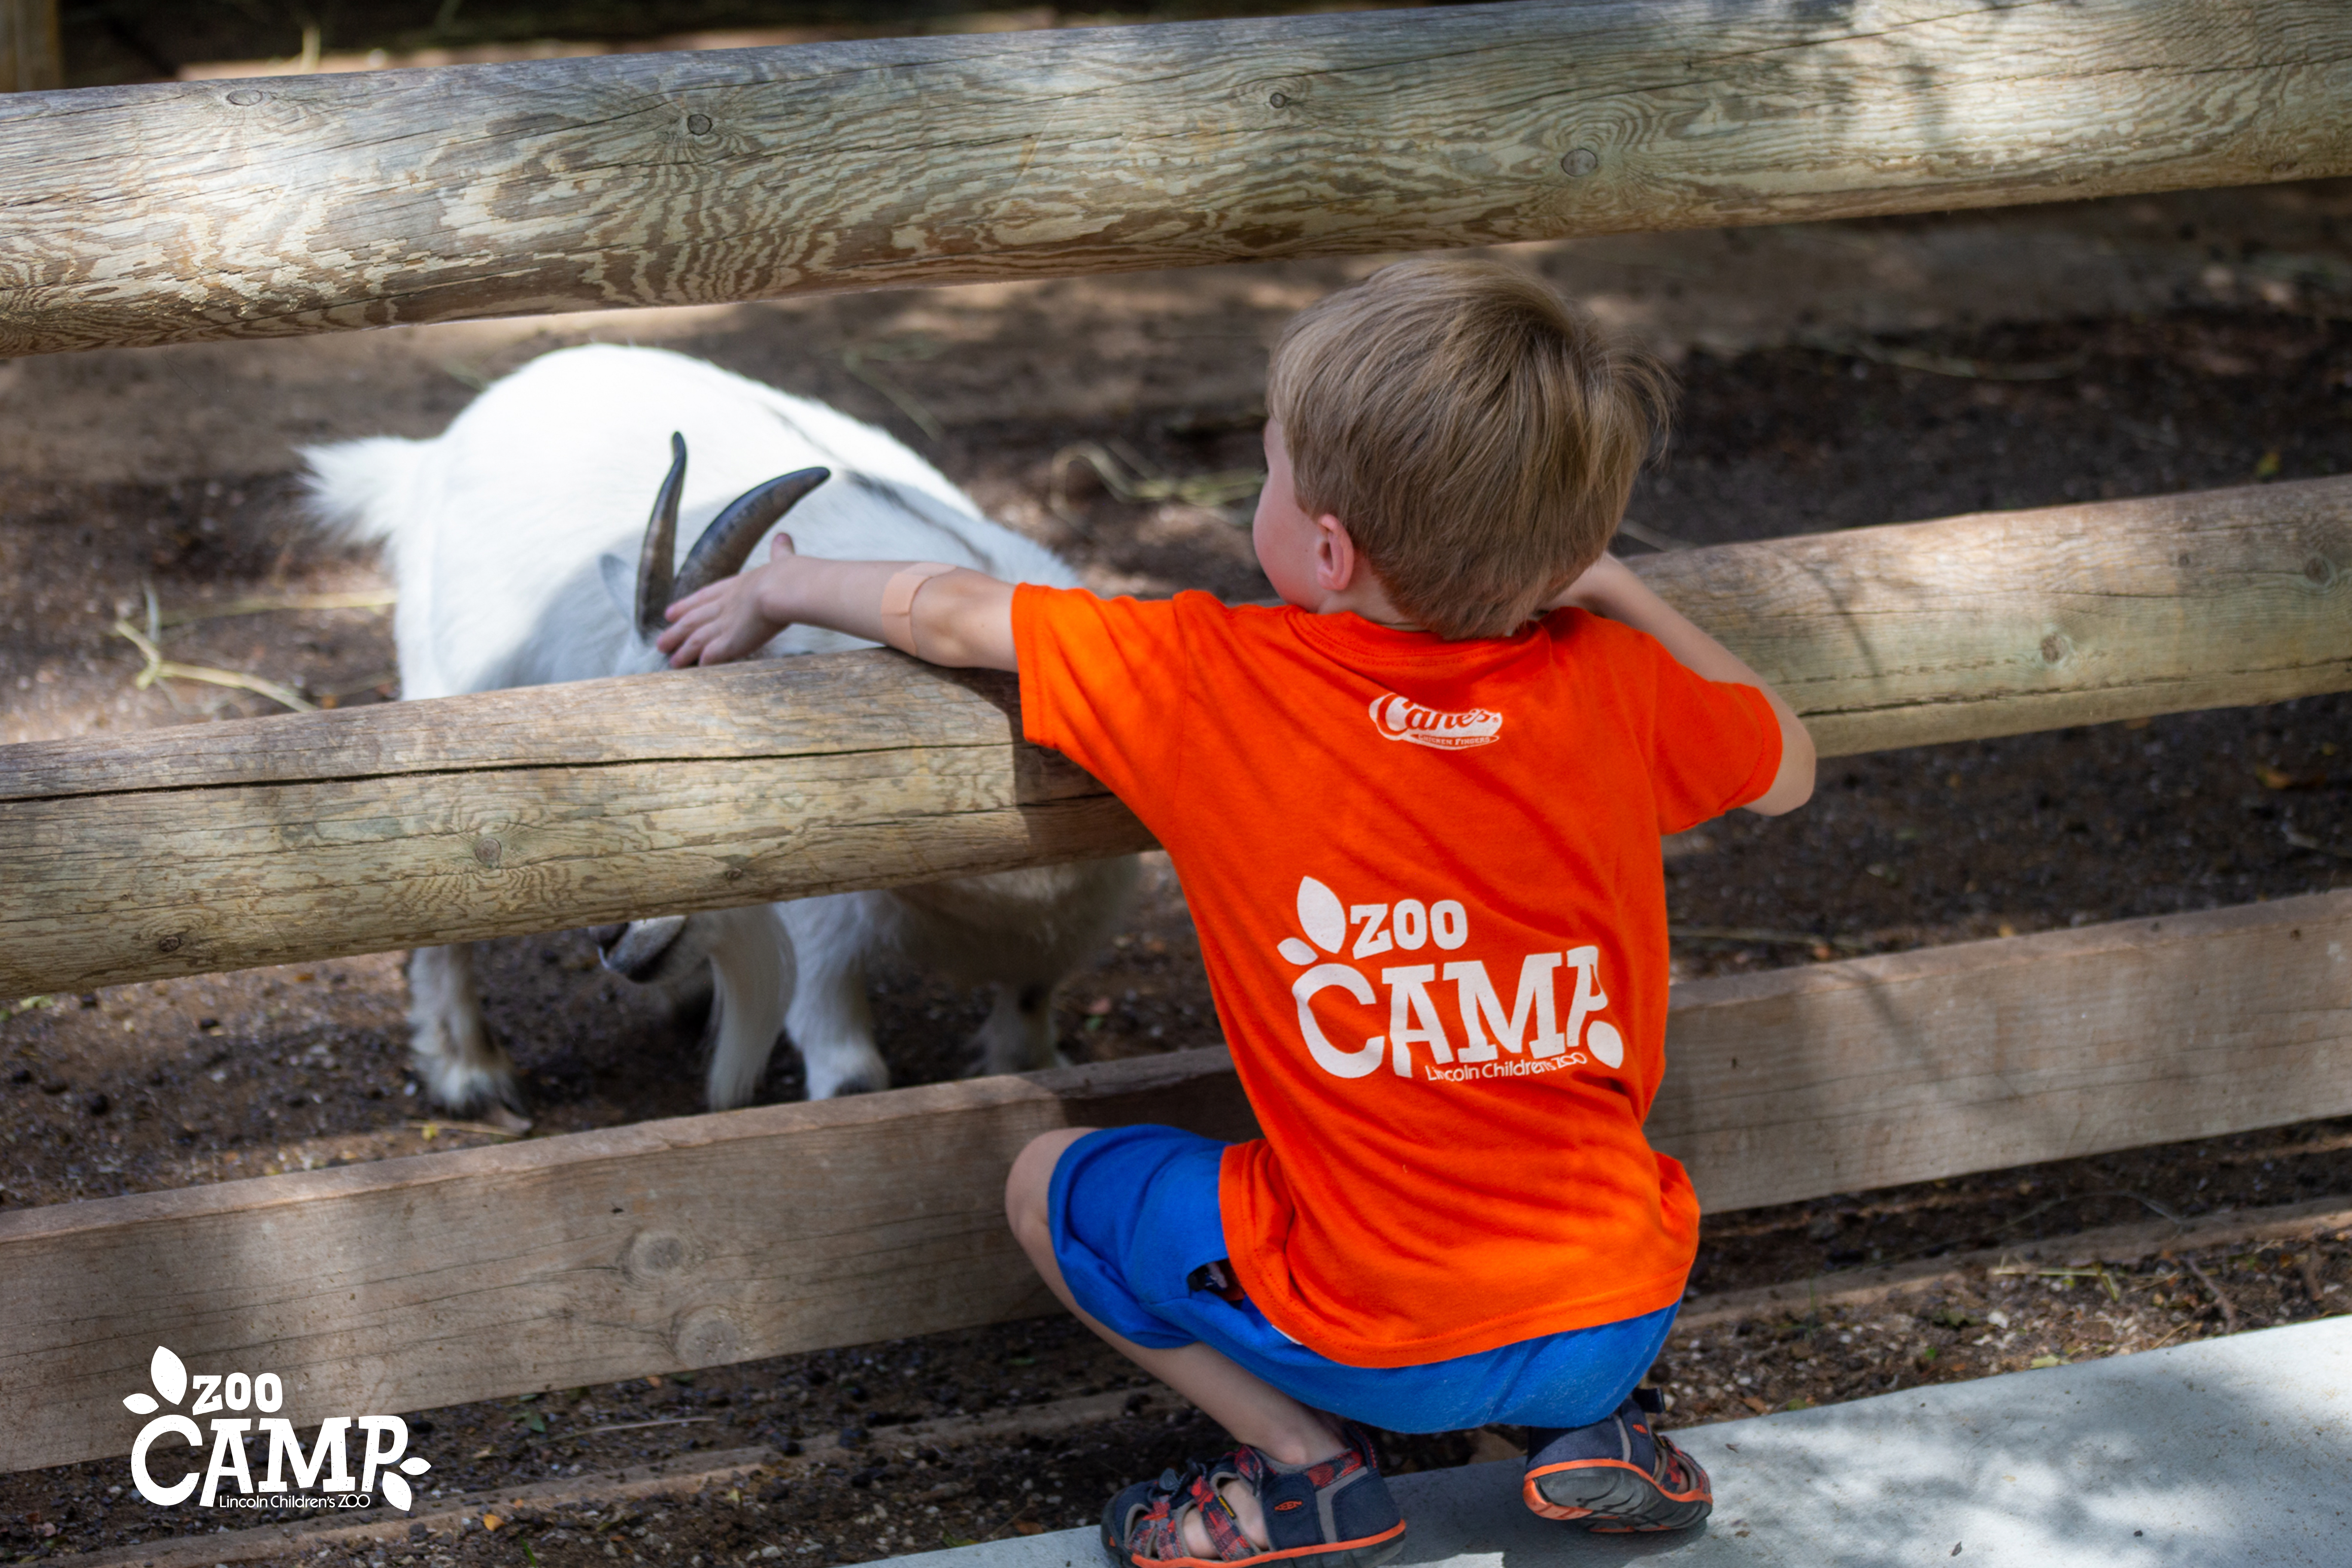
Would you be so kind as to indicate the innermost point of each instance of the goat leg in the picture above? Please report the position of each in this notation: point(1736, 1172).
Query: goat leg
point(464, 1071)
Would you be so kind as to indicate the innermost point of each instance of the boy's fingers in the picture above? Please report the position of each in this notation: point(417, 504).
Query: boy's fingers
point(699, 598)
point(688, 643)
point(781, 546)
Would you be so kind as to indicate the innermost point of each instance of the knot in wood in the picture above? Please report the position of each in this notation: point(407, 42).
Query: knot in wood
point(245, 97)
point(170, 943)
point(2054, 649)
point(1580, 162)
point(487, 850)
point(2319, 571)
point(706, 1336)
point(697, 124)
point(1278, 100)
point(655, 1254)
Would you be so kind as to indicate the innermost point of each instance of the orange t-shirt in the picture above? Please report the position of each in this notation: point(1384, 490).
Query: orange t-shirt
point(1430, 900)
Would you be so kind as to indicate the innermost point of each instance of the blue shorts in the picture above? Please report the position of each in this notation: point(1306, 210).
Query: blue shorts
point(1134, 1213)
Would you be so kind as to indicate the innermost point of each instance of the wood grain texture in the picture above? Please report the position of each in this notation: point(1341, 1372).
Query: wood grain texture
point(657, 1247)
point(438, 1279)
point(2002, 623)
point(1843, 1076)
point(32, 58)
point(220, 847)
point(215, 847)
point(821, 706)
point(182, 211)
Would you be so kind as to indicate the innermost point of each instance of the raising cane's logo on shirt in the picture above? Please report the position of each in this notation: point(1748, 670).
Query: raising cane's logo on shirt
point(1397, 718)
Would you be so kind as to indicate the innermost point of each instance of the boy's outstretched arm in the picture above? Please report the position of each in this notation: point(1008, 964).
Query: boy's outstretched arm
point(961, 618)
point(1610, 588)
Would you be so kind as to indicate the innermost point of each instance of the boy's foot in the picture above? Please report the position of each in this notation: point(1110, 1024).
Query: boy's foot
point(1334, 1512)
point(1615, 1475)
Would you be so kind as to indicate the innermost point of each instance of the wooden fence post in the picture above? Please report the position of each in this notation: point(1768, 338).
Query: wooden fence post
point(32, 58)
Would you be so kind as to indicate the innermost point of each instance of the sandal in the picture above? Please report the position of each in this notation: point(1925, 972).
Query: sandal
point(1335, 1511)
point(1617, 1474)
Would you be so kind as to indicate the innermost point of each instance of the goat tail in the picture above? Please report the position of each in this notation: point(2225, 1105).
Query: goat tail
point(360, 491)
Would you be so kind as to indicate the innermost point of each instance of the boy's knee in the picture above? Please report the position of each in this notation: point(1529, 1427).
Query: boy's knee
point(1029, 1186)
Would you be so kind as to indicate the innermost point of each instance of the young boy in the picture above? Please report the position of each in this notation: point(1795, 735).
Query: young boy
point(1416, 812)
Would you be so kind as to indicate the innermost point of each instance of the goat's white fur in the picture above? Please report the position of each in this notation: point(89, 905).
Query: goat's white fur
point(512, 537)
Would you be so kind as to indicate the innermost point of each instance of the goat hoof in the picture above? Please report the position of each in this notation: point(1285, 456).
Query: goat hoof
point(856, 1083)
point(505, 1119)
point(475, 1093)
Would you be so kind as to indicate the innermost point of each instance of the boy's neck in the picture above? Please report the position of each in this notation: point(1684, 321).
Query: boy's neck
point(1362, 597)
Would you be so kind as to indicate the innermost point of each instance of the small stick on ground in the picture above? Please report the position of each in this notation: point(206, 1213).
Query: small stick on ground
point(2229, 1312)
point(641, 1425)
point(2311, 1285)
point(364, 599)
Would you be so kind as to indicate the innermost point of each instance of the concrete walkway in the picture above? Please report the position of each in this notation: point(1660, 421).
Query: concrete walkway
point(2234, 1452)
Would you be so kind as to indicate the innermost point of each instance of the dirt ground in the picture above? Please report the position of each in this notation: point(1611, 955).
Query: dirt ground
point(183, 1081)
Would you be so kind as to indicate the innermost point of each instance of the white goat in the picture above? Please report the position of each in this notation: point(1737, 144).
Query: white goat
point(509, 536)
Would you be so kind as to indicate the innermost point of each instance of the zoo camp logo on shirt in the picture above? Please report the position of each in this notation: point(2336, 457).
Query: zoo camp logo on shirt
point(381, 1464)
point(1402, 719)
point(1529, 1029)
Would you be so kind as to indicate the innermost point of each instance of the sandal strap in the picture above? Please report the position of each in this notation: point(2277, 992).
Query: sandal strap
point(1675, 1470)
point(1217, 1518)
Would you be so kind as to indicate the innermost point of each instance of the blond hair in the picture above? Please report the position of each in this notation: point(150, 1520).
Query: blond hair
point(1476, 434)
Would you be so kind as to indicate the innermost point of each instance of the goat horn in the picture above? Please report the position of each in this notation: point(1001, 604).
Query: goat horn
point(654, 593)
point(727, 544)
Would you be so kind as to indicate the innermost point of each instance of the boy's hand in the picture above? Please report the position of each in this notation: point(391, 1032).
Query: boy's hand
point(727, 620)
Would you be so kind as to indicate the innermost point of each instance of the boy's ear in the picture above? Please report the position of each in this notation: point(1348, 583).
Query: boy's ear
point(1336, 559)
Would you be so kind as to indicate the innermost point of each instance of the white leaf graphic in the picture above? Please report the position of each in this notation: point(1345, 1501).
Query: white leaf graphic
point(416, 1464)
point(140, 1404)
point(395, 1490)
point(1295, 950)
point(169, 1373)
point(1322, 915)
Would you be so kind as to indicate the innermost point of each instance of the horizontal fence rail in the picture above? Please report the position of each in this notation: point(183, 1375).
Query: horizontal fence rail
point(414, 1283)
point(303, 836)
point(2005, 623)
point(253, 208)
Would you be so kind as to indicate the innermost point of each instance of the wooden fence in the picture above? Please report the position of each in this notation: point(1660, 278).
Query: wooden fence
point(229, 208)
point(414, 1283)
point(161, 214)
point(212, 847)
